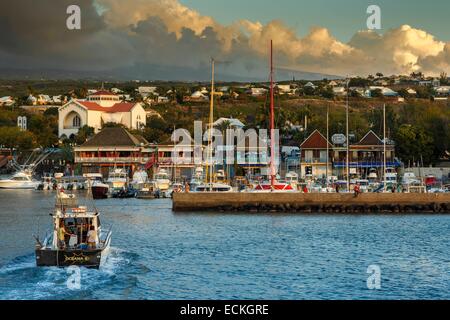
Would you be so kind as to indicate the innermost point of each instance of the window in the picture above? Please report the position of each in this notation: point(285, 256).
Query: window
point(76, 122)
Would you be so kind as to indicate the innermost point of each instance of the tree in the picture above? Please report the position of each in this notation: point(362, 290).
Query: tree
point(403, 93)
point(413, 143)
point(377, 93)
point(444, 78)
point(84, 133)
point(12, 137)
point(379, 75)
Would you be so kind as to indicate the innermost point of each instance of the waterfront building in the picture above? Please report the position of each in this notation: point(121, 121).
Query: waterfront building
point(313, 156)
point(99, 108)
point(365, 156)
point(114, 147)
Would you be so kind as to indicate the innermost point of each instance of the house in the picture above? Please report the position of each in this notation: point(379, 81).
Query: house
point(310, 85)
point(197, 96)
point(313, 156)
point(387, 92)
point(339, 91)
point(160, 99)
point(114, 147)
point(116, 90)
point(7, 101)
point(31, 100)
point(285, 89)
point(147, 91)
point(411, 91)
point(233, 123)
point(442, 90)
point(257, 92)
point(98, 109)
point(364, 157)
point(333, 83)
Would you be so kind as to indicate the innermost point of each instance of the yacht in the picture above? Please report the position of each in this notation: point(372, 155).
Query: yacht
point(162, 180)
point(410, 178)
point(117, 179)
point(20, 180)
point(197, 178)
point(74, 250)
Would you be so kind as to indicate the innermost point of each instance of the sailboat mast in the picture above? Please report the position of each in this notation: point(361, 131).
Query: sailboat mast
point(211, 117)
point(384, 146)
point(272, 121)
point(328, 146)
point(348, 142)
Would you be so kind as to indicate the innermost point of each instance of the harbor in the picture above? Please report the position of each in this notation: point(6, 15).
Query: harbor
point(312, 203)
point(157, 254)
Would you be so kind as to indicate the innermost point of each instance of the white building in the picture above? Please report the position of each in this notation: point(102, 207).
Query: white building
point(234, 123)
point(256, 92)
point(7, 101)
point(98, 109)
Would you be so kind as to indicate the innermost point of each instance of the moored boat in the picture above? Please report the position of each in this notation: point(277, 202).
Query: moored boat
point(20, 180)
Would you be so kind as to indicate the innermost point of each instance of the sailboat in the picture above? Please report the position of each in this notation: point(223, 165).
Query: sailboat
point(210, 185)
point(273, 184)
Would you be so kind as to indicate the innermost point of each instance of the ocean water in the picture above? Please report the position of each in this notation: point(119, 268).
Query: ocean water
point(157, 254)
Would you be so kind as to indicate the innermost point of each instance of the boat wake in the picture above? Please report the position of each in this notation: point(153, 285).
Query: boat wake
point(22, 280)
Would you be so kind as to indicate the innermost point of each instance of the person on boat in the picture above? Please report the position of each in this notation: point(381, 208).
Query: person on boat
point(63, 235)
point(186, 188)
point(92, 238)
point(305, 189)
point(337, 187)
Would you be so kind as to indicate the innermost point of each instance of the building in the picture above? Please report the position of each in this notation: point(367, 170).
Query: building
point(7, 101)
point(114, 147)
point(364, 157)
point(313, 156)
point(257, 92)
point(387, 92)
point(99, 108)
point(233, 123)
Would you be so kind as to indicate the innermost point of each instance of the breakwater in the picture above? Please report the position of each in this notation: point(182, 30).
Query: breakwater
point(312, 202)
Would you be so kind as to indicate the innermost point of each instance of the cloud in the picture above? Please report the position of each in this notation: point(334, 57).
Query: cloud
point(133, 34)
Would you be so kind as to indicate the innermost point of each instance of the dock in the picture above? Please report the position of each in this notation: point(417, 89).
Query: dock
point(312, 202)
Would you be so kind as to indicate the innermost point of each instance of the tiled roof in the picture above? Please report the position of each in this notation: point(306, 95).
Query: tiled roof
point(315, 141)
point(118, 107)
point(114, 137)
point(370, 139)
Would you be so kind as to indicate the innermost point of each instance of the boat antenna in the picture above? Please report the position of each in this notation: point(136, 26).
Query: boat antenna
point(211, 118)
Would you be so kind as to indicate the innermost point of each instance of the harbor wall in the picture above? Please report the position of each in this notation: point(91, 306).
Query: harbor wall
point(313, 202)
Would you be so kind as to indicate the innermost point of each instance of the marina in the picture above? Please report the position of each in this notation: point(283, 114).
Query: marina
point(158, 254)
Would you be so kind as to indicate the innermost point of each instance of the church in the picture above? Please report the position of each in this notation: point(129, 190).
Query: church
point(98, 109)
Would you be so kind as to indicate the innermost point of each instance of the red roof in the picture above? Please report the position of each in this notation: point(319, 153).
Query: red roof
point(315, 141)
point(118, 107)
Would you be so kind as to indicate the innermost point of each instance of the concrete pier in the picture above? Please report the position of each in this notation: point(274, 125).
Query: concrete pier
point(312, 202)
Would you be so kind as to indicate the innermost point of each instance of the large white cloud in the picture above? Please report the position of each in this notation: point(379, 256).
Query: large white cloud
point(168, 34)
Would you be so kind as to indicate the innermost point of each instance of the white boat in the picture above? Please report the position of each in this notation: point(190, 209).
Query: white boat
point(117, 179)
point(162, 180)
point(140, 178)
point(19, 180)
point(391, 175)
point(292, 179)
point(410, 178)
point(213, 187)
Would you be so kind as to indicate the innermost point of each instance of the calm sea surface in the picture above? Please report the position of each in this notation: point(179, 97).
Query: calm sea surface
point(157, 254)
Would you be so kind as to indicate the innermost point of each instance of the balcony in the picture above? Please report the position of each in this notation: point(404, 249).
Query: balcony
point(112, 160)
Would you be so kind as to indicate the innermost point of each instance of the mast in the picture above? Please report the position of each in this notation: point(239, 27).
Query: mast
point(272, 122)
point(328, 146)
point(348, 147)
point(211, 117)
point(384, 146)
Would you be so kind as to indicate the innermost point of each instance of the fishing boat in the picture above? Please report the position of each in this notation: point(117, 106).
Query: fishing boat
point(117, 179)
point(162, 180)
point(76, 239)
point(20, 180)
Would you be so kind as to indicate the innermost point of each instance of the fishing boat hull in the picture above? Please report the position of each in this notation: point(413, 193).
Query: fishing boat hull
point(65, 258)
point(8, 184)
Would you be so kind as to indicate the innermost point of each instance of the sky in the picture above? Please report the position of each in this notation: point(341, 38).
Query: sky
point(342, 17)
point(176, 39)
